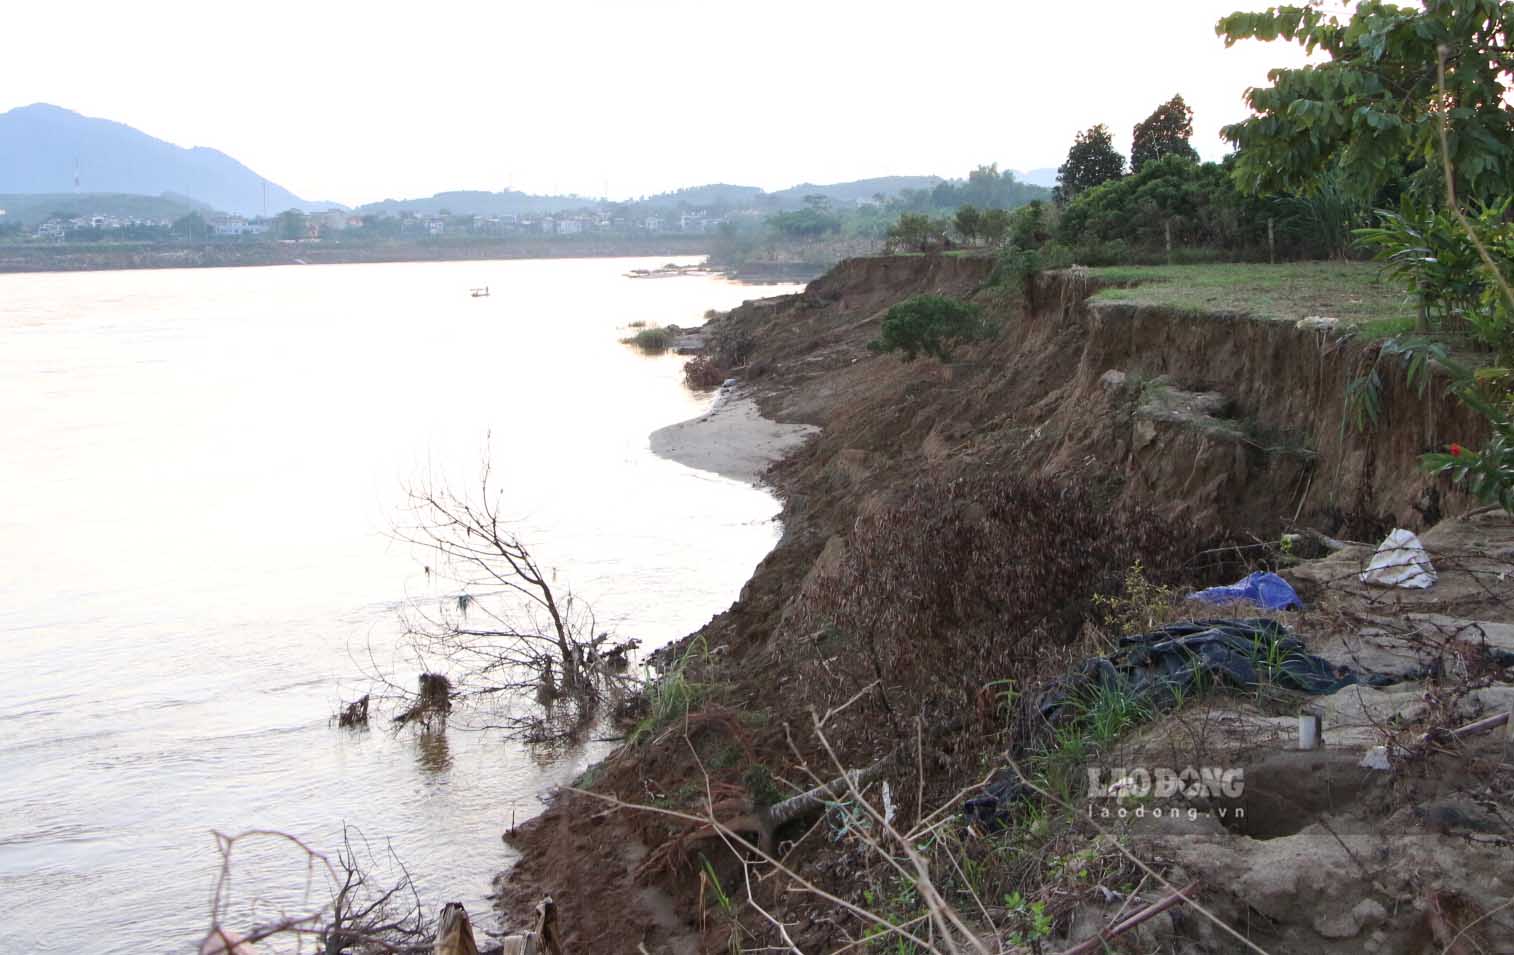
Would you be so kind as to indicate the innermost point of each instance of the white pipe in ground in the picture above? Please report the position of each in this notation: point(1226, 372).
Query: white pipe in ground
point(1309, 731)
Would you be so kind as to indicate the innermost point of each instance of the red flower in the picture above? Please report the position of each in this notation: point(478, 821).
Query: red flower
point(1455, 450)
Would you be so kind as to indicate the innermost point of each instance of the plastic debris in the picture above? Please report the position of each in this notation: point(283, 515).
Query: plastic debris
point(1266, 590)
point(1158, 668)
point(1185, 657)
point(1376, 758)
point(1400, 561)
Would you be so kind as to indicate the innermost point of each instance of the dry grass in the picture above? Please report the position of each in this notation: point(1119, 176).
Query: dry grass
point(1351, 292)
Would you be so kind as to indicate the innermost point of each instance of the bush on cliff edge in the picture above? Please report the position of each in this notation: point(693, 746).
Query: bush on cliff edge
point(932, 325)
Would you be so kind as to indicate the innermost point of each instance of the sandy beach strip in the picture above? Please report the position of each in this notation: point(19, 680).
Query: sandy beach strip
point(732, 439)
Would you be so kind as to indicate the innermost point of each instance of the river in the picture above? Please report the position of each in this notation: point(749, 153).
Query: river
point(201, 473)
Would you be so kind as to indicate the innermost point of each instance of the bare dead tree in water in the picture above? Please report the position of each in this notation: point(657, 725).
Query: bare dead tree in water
point(507, 627)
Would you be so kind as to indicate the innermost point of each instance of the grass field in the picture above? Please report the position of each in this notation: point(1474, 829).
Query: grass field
point(1346, 291)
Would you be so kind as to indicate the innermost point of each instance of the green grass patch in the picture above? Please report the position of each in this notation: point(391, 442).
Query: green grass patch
point(1350, 292)
point(1382, 329)
point(653, 340)
point(590, 776)
point(672, 696)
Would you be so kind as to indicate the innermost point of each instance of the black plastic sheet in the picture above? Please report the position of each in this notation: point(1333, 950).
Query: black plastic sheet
point(1160, 667)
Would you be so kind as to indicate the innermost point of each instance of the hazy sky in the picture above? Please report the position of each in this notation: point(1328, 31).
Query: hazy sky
point(355, 102)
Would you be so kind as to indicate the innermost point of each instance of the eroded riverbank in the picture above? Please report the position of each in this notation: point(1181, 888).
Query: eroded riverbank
point(1095, 397)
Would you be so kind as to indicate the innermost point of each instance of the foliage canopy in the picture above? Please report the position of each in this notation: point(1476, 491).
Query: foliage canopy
point(812, 221)
point(969, 223)
point(1091, 161)
point(1431, 256)
point(1165, 132)
point(1375, 107)
point(918, 232)
point(1197, 204)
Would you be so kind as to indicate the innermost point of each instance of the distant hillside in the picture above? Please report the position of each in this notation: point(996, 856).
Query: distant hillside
point(42, 146)
point(714, 194)
point(1038, 177)
point(707, 196)
point(467, 202)
point(858, 189)
point(35, 208)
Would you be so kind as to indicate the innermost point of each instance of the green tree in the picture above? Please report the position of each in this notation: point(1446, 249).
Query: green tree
point(1165, 132)
point(917, 232)
point(1028, 227)
point(994, 225)
point(807, 223)
point(1375, 107)
point(984, 186)
point(1091, 161)
point(931, 325)
point(290, 224)
point(969, 224)
point(191, 226)
point(375, 226)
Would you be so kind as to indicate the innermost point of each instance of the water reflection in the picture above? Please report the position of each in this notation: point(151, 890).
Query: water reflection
point(432, 752)
point(137, 413)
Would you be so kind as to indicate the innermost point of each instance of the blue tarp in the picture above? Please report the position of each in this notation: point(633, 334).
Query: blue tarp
point(1266, 590)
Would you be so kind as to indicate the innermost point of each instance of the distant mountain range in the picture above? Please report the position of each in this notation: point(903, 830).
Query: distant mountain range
point(510, 202)
point(476, 203)
point(37, 207)
point(858, 190)
point(43, 148)
point(60, 159)
point(1038, 177)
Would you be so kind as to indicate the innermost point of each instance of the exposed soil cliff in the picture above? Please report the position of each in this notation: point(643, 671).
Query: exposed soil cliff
point(1104, 389)
point(1225, 429)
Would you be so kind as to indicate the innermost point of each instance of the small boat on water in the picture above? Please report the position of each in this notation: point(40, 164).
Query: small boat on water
point(479, 292)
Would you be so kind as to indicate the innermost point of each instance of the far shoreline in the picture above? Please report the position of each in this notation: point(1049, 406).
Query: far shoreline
point(35, 259)
point(95, 257)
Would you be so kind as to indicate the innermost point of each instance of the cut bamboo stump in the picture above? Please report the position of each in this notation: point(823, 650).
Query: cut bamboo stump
point(454, 933)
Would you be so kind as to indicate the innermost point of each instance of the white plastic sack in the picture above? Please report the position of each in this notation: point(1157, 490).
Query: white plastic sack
point(1400, 561)
point(1376, 758)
